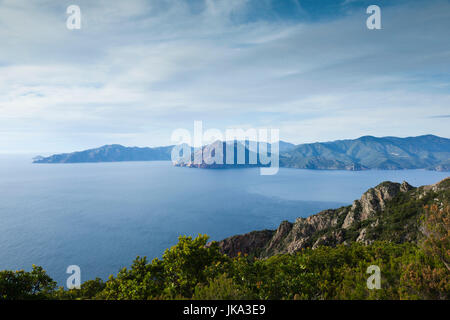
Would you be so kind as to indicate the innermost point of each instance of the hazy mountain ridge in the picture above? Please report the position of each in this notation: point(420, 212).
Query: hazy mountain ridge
point(110, 153)
point(390, 211)
point(422, 152)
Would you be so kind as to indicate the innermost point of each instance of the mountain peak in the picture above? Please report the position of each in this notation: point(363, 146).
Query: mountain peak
point(367, 152)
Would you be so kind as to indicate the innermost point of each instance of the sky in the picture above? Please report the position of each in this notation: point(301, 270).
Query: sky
point(139, 69)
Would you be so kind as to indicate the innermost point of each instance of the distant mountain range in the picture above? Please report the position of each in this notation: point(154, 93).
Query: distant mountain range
point(428, 152)
point(110, 153)
point(368, 152)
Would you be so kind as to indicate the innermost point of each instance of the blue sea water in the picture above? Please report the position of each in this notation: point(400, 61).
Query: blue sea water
point(100, 216)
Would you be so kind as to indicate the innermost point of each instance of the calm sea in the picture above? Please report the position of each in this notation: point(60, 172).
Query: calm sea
point(100, 216)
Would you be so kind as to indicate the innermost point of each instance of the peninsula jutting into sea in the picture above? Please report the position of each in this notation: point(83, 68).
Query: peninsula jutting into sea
point(387, 153)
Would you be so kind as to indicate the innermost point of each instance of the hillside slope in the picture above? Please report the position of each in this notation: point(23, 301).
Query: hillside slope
point(424, 152)
point(390, 211)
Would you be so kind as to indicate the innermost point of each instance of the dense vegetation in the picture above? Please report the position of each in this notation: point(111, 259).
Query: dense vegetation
point(191, 270)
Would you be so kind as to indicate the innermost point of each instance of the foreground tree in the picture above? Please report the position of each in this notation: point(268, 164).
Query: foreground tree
point(437, 233)
point(23, 285)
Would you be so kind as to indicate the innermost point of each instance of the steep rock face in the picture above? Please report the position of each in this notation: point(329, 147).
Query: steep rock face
point(334, 238)
point(370, 218)
point(246, 243)
point(374, 200)
point(311, 231)
point(281, 233)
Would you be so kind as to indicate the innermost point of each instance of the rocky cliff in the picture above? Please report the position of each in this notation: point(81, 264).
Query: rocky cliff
point(390, 211)
point(215, 156)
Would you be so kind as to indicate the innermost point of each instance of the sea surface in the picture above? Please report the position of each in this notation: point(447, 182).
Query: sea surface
point(100, 216)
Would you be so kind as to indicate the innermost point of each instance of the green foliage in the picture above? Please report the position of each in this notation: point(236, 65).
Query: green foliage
point(192, 270)
point(89, 290)
point(185, 264)
point(141, 281)
point(22, 285)
point(279, 277)
point(437, 233)
point(428, 275)
point(221, 288)
point(174, 276)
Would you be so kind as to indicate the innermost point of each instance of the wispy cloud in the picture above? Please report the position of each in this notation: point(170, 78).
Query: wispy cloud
point(442, 116)
point(139, 69)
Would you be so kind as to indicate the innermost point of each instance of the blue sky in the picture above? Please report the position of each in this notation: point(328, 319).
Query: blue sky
point(138, 69)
